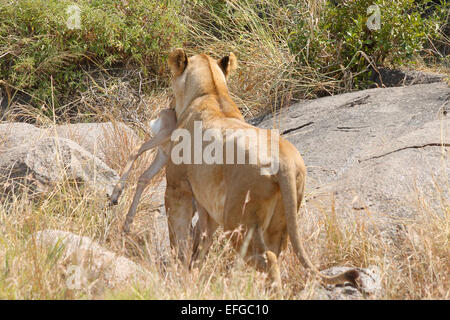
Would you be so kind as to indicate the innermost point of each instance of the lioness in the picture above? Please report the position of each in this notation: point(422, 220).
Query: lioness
point(263, 206)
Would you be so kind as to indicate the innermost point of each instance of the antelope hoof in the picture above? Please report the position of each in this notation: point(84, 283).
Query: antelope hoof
point(115, 196)
point(126, 228)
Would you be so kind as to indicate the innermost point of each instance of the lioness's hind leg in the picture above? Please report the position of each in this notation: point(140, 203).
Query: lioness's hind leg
point(180, 210)
point(204, 232)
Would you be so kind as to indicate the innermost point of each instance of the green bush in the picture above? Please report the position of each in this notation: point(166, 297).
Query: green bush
point(343, 38)
point(287, 49)
point(36, 43)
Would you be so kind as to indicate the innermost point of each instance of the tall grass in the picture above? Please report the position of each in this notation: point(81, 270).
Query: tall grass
point(269, 75)
point(294, 50)
point(412, 258)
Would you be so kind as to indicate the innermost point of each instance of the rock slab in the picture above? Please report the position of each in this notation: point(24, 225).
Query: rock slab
point(40, 166)
point(39, 157)
point(95, 262)
point(375, 149)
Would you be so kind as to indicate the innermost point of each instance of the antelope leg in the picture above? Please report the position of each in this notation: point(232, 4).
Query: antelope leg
point(144, 180)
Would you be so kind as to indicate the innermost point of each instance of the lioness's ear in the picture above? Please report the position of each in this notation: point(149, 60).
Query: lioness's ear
point(178, 61)
point(228, 64)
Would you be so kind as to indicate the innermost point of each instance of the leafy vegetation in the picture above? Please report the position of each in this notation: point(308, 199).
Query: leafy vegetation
point(342, 32)
point(44, 57)
point(114, 67)
point(311, 48)
point(287, 49)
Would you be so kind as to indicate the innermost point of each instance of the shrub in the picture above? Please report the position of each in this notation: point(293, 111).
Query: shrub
point(342, 35)
point(288, 50)
point(37, 45)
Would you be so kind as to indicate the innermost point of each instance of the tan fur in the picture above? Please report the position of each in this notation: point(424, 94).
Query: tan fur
point(232, 195)
point(167, 123)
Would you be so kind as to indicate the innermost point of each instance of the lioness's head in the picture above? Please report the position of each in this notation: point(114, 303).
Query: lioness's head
point(198, 75)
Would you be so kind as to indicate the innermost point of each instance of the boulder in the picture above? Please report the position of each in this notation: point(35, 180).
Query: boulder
point(50, 161)
point(100, 139)
point(92, 262)
point(370, 282)
point(15, 134)
point(39, 157)
point(374, 149)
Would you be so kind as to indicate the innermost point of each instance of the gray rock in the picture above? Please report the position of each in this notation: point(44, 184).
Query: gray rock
point(93, 262)
point(16, 134)
point(100, 139)
point(369, 279)
point(39, 157)
point(373, 149)
point(51, 160)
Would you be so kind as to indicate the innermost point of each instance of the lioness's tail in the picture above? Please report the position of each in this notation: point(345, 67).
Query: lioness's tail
point(287, 179)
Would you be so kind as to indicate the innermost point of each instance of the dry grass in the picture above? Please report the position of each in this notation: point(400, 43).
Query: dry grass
point(413, 261)
point(268, 77)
